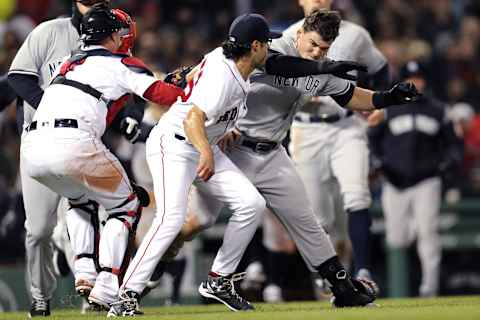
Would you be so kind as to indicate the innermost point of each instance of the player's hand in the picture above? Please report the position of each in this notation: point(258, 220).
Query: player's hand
point(375, 118)
point(341, 68)
point(178, 77)
point(229, 140)
point(403, 92)
point(130, 129)
point(206, 165)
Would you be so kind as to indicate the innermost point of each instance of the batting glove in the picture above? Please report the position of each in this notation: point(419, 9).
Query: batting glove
point(340, 69)
point(401, 93)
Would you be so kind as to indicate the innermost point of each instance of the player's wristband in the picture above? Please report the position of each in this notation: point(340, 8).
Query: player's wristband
point(382, 99)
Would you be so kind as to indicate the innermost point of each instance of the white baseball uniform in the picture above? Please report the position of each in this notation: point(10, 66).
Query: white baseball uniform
point(329, 153)
point(63, 151)
point(219, 90)
point(272, 102)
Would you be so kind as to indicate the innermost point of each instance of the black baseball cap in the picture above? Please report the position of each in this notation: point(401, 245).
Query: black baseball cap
point(249, 27)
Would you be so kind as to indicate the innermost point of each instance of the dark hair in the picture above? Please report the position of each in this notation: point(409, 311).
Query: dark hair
point(234, 51)
point(323, 21)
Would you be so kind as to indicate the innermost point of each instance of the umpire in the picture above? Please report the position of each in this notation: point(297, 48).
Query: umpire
point(415, 145)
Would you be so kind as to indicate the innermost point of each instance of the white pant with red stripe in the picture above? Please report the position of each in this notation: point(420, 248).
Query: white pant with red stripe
point(173, 164)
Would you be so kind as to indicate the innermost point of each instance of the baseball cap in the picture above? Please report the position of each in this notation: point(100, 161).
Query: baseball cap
point(411, 69)
point(249, 27)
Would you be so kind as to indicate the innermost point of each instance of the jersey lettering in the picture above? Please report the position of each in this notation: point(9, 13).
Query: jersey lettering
point(191, 84)
point(406, 123)
point(311, 83)
point(285, 82)
point(53, 66)
point(230, 115)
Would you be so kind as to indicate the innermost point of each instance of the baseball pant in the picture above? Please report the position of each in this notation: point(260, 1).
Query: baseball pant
point(274, 175)
point(414, 212)
point(332, 157)
point(77, 165)
point(173, 164)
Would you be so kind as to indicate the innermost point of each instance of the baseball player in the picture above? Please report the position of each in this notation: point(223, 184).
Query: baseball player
point(425, 146)
point(329, 146)
point(62, 148)
point(182, 150)
point(29, 74)
point(256, 149)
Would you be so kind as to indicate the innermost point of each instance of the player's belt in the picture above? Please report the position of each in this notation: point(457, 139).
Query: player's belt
point(57, 123)
point(260, 146)
point(327, 118)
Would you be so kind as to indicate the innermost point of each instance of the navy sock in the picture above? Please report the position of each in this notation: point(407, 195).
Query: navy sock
point(359, 222)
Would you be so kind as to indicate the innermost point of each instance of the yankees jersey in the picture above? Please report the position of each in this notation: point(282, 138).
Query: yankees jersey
point(42, 52)
point(353, 43)
point(272, 101)
point(219, 90)
point(110, 74)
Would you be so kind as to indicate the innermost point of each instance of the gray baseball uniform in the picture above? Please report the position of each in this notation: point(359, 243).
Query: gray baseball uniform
point(337, 152)
point(272, 102)
point(39, 55)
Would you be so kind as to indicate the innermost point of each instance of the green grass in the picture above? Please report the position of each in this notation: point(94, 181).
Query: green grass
point(451, 308)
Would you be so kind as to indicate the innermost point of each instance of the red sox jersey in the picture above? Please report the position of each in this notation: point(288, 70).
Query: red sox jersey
point(222, 106)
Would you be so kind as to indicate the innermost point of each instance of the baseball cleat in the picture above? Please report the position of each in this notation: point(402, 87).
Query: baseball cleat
point(222, 289)
point(40, 308)
point(127, 306)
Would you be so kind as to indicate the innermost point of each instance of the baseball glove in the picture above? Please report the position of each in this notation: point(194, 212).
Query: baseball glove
point(178, 77)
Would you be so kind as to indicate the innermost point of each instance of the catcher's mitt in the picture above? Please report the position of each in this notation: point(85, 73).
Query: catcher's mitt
point(178, 77)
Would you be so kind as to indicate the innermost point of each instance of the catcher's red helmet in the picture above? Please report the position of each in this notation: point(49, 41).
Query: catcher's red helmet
point(127, 35)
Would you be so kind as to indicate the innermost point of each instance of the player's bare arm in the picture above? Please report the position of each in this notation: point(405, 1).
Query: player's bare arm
point(194, 126)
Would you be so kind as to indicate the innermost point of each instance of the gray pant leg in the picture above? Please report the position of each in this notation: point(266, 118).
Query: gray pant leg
point(280, 184)
point(41, 217)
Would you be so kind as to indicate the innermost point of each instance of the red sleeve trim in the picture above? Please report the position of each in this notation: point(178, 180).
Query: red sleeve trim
point(163, 93)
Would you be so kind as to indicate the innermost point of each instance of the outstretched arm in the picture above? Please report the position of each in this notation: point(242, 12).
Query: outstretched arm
point(292, 67)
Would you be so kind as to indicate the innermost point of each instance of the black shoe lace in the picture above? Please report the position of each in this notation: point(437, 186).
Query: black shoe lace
point(39, 304)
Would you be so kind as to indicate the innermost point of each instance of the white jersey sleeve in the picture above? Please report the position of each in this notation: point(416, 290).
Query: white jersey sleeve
point(133, 81)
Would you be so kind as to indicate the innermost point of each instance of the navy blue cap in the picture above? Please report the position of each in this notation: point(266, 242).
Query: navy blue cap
point(249, 27)
point(413, 69)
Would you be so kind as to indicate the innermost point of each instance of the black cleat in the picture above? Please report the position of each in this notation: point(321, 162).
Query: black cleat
point(352, 294)
point(127, 306)
point(40, 308)
point(222, 289)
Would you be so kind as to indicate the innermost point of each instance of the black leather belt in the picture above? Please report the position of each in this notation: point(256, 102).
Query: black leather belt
point(179, 137)
point(327, 118)
point(259, 146)
point(58, 123)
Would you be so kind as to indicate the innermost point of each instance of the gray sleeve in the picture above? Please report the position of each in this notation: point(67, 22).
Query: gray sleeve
point(332, 86)
point(33, 52)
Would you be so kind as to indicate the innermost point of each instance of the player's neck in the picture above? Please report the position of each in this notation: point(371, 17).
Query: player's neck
point(245, 67)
